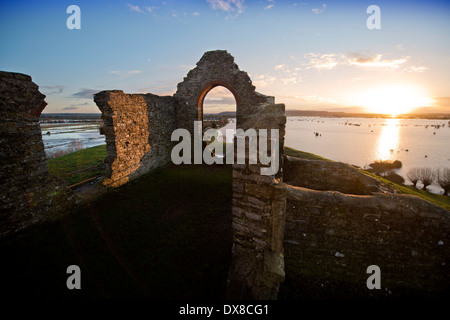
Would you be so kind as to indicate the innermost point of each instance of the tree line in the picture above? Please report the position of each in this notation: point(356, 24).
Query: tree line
point(427, 176)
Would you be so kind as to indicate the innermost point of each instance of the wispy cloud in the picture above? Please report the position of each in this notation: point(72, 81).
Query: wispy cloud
point(319, 10)
point(263, 80)
point(329, 61)
point(52, 89)
point(125, 73)
point(85, 93)
point(134, 8)
point(271, 5)
point(375, 61)
point(75, 106)
point(70, 108)
point(321, 61)
point(415, 69)
point(227, 5)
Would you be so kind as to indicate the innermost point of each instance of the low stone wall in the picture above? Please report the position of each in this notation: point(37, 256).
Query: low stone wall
point(327, 175)
point(137, 128)
point(335, 237)
point(28, 193)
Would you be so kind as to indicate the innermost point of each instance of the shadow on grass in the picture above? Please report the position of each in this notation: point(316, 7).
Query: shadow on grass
point(165, 236)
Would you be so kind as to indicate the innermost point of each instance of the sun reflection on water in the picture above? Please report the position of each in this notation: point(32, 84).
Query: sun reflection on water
point(388, 141)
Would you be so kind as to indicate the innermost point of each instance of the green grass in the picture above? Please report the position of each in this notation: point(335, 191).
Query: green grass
point(67, 165)
point(303, 155)
point(438, 199)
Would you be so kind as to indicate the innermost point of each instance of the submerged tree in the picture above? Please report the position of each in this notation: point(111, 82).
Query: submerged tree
point(443, 179)
point(426, 176)
point(413, 175)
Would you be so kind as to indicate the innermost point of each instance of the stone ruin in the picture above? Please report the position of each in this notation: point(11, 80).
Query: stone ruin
point(138, 130)
point(316, 219)
point(28, 193)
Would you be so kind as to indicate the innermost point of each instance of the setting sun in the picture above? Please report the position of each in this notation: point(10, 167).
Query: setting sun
point(392, 99)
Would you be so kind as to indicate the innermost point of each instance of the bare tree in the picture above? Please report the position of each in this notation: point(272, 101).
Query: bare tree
point(413, 175)
point(443, 179)
point(427, 177)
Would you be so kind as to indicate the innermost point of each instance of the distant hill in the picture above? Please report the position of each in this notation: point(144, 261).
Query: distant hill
point(71, 116)
point(336, 114)
point(329, 114)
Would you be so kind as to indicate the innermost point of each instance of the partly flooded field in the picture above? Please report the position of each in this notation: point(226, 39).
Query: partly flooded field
point(63, 137)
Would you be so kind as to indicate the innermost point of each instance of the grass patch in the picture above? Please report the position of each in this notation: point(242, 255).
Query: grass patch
point(438, 199)
point(68, 166)
point(303, 155)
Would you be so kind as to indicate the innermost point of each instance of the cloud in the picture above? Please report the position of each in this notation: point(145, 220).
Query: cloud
point(53, 89)
point(415, 69)
point(149, 9)
point(263, 80)
point(439, 105)
point(75, 106)
point(290, 80)
point(220, 100)
point(270, 6)
point(320, 10)
point(375, 61)
point(125, 73)
point(196, 14)
point(134, 8)
point(314, 98)
point(85, 93)
point(70, 108)
point(279, 67)
point(321, 61)
point(227, 5)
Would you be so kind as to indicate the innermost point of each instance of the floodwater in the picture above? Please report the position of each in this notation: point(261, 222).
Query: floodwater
point(361, 141)
point(356, 141)
point(85, 134)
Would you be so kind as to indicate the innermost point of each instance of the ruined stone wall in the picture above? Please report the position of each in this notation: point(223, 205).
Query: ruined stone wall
point(334, 237)
point(28, 193)
point(137, 129)
point(259, 204)
point(328, 175)
point(216, 68)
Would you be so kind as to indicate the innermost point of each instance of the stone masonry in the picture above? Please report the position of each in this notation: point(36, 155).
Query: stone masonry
point(138, 128)
point(334, 234)
point(28, 193)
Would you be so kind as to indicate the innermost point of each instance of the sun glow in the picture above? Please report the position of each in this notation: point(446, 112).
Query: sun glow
point(392, 99)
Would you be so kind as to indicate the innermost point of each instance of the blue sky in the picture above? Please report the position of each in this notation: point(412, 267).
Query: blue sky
point(308, 54)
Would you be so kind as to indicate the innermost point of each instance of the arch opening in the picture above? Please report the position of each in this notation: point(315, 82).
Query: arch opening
point(217, 109)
